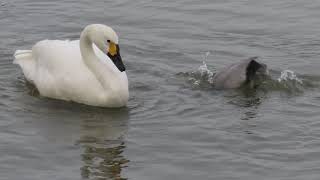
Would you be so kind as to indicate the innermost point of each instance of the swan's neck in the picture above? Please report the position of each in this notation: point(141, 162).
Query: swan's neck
point(93, 62)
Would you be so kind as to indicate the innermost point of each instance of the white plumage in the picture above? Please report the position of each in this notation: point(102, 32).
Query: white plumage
point(78, 71)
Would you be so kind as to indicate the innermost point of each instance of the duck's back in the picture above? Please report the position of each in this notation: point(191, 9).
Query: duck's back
point(232, 76)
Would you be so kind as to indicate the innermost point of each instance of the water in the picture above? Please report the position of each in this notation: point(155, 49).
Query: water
point(173, 128)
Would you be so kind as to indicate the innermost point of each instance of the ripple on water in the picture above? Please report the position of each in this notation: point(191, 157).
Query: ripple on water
point(176, 125)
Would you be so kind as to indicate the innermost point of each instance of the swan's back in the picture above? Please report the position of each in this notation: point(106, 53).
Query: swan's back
point(49, 56)
point(57, 56)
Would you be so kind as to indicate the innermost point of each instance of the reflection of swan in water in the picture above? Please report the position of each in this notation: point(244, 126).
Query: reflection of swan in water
point(102, 142)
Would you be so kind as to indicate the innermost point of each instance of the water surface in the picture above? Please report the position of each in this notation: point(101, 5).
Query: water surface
point(176, 126)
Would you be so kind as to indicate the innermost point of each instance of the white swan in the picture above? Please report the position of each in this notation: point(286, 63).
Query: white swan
point(89, 71)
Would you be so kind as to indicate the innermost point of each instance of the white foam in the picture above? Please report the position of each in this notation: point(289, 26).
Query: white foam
point(203, 69)
point(289, 75)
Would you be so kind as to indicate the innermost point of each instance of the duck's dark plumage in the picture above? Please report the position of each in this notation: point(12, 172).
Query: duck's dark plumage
point(235, 75)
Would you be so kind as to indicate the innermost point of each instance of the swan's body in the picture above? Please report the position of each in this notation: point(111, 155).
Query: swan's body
point(240, 73)
point(78, 71)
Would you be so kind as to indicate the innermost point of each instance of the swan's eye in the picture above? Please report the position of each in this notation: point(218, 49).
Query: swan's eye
point(108, 41)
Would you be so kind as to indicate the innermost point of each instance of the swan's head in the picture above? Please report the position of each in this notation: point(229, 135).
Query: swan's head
point(106, 39)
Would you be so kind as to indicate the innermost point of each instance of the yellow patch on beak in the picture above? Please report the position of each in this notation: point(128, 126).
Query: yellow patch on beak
point(112, 48)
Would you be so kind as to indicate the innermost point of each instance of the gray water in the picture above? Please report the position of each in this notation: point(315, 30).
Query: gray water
point(176, 126)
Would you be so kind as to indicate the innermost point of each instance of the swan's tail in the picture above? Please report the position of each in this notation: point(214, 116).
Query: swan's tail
point(26, 61)
point(22, 54)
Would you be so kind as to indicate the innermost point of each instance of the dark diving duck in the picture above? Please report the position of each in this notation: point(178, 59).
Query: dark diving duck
point(245, 72)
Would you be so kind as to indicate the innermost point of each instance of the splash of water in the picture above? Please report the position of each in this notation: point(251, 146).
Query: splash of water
point(205, 74)
point(287, 82)
point(288, 75)
point(202, 77)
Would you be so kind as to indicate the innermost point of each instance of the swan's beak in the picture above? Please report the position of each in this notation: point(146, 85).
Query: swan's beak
point(114, 55)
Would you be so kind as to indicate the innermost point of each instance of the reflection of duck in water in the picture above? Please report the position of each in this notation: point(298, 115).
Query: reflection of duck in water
point(247, 71)
point(103, 143)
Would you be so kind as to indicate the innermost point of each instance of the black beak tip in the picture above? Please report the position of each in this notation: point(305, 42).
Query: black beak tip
point(122, 69)
point(117, 60)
